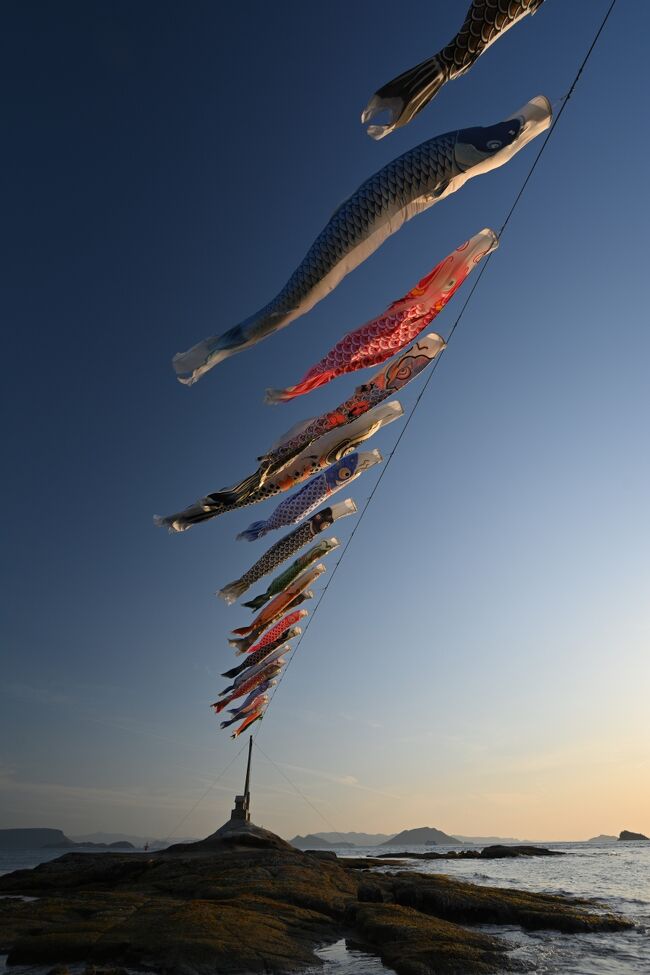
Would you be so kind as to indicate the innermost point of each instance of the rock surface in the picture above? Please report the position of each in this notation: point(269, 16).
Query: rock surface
point(489, 853)
point(245, 901)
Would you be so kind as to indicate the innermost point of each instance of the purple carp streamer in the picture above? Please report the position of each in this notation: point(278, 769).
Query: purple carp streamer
point(259, 701)
point(296, 507)
point(331, 447)
point(287, 547)
point(380, 338)
point(316, 552)
point(253, 659)
point(405, 96)
point(405, 187)
point(269, 672)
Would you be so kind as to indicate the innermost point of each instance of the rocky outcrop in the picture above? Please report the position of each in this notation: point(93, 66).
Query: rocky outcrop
point(413, 944)
point(245, 901)
point(626, 836)
point(489, 853)
point(463, 903)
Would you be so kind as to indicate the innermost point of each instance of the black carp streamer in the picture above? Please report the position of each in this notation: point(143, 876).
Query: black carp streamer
point(405, 96)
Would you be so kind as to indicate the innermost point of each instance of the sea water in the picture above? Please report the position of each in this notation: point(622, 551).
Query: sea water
point(616, 876)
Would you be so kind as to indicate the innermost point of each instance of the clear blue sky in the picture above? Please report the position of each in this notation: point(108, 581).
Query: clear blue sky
point(480, 661)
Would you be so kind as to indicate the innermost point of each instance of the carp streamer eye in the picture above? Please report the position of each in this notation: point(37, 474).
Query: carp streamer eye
point(494, 144)
point(344, 473)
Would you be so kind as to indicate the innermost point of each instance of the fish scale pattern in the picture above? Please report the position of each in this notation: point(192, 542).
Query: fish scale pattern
point(485, 21)
point(297, 506)
point(284, 549)
point(379, 338)
point(314, 554)
point(420, 171)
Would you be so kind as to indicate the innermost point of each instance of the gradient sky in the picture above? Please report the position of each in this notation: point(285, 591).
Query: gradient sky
point(480, 660)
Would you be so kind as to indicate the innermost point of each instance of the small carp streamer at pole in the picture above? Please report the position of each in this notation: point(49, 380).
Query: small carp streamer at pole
point(251, 719)
point(258, 701)
point(315, 553)
point(296, 507)
point(267, 674)
point(405, 187)
point(331, 447)
point(402, 321)
point(405, 96)
point(275, 633)
point(278, 605)
point(287, 547)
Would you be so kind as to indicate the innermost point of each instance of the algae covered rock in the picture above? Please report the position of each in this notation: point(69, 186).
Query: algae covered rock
point(455, 900)
point(413, 944)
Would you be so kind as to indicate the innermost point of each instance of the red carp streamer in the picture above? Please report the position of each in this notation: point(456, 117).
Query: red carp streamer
point(382, 337)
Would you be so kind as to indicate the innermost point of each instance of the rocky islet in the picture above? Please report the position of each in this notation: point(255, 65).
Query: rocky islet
point(244, 900)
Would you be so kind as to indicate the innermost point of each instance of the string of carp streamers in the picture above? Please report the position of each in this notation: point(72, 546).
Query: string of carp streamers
point(322, 451)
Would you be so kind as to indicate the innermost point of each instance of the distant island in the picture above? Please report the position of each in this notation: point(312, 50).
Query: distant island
point(626, 836)
point(421, 836)
point(313, 842)
point(324, 841)
point(41, 838)
point(602, 838)
point(357, 839)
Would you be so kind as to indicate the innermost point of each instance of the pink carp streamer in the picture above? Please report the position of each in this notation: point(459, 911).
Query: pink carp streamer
point(248, 644)
point(382, 337)
point(275, 633)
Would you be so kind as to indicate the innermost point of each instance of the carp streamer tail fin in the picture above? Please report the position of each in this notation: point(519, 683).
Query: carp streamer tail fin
point(306, 385)
point(234, 671)
point(239, 646)
point(233, 591)
point(241, 631)
point(253, 532)
point(241, 491)
point(191, 365)
point(404, 96)
point(258, 602)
